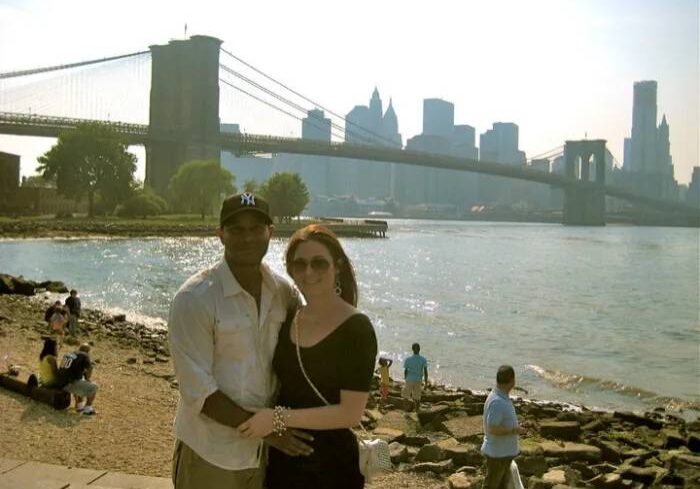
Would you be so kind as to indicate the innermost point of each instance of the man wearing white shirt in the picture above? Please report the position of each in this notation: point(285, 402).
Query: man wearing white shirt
point(223, 329)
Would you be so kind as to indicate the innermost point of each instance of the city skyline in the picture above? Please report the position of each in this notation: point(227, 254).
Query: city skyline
point(551, 52)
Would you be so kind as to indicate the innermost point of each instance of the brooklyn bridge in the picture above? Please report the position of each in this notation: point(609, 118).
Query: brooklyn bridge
point(184, 124)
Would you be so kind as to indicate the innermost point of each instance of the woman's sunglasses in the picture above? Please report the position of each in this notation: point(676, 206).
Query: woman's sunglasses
point(317, 264)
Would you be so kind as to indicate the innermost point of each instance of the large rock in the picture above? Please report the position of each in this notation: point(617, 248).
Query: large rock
point(465, 428)
point(431, 453)
point(387, 434)
point(532, 465)
point(398, 453)
point(435, 412)
point(468, 455)
point(606, 481)
point(561, 430)
point(554, 477)
point(570, 452)
point(416, 440)
point(401, 403)
point(638, 420)
point(16, 285)
point(399, 421)
point(459, 480)
point(694, 443)
point(437, 396)
point(53, 286)
point(435, 467)
point(645, 475)
point(610, 451)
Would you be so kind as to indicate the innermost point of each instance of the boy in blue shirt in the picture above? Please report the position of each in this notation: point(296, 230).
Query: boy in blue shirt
point(415, 369)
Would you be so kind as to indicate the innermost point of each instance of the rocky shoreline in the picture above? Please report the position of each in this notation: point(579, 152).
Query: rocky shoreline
point(146, 228)
point(439, 446)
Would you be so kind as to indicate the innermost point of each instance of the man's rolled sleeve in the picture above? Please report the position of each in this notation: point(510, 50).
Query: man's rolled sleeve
point(191, 336)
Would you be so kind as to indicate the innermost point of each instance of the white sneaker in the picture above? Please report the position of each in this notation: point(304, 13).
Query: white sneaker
point(80, 406)
point(89, 410)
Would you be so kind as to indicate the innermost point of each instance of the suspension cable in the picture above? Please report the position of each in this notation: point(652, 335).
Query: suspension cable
point(371, 133)
point(283, 99)
point(270, 104)
point(15, 74)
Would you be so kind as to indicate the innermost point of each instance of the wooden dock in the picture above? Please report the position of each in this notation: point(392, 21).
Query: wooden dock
point(354, 228)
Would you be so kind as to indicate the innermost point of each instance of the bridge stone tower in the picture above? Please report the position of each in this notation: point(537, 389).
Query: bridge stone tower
point(184, 107)
point(585, 206)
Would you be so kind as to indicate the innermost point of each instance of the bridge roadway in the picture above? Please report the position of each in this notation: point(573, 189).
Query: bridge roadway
point(241, 144)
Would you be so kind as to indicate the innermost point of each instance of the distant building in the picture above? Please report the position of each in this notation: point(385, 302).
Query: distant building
point(314, 170)
point(647, 159)
point(434, 188)
point(244, 168)
point(316, 126)
point(499, 145)
point(692, 197)
point(9, 171)
point(438, 118)
point(367, 125)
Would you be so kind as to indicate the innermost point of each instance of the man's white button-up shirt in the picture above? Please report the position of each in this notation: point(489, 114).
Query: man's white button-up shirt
point(218, 341)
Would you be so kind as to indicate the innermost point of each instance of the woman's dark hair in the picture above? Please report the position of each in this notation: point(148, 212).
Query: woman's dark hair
point(50, 348)
point(326, 237)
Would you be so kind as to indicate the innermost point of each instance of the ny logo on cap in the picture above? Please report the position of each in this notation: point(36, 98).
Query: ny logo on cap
point(247, 199)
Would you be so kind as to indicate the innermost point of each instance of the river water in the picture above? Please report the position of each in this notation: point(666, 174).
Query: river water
point(605, 317)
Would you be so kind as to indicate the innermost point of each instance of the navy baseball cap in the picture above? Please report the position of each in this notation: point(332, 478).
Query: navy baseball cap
point(247, 201)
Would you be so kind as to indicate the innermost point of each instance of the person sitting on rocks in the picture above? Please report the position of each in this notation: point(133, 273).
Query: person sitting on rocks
point(48, 369)
point(74, 377)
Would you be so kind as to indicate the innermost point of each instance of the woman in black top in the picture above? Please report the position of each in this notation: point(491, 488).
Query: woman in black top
point(338, 348)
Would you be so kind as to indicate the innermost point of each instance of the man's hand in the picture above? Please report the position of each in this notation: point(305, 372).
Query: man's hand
point(290, 443)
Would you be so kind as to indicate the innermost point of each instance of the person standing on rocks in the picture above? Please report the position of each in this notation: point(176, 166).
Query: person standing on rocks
point(73, 308)
point(384, 365)
point(50, 310)
point(58, 321)
point(501, 431)
point(223, 329)
point(415, 371)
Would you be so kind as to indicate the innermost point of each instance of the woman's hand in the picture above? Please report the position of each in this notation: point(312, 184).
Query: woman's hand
point(259, 426)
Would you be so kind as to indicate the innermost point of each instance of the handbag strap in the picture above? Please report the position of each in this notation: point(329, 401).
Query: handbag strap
point(295, 324)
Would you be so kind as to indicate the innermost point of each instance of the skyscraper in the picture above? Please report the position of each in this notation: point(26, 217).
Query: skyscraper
point(369, 126)
point(438, 117)
point(643, 149)
point(316, 126)
point(648, 156)
point(499, 145)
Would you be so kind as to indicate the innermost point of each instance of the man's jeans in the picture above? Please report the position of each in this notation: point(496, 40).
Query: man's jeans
point(497, 472)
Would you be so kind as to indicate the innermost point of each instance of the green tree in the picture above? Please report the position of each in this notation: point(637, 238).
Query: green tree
point(251, 185)
point(143, 203)
point(88, 160)
point(286, 193)
point(198, 185)
point(37, 181)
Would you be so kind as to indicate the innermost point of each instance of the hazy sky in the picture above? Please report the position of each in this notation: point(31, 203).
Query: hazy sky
point(559, 69)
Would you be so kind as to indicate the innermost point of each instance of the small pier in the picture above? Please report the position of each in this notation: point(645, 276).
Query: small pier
point(353, 228)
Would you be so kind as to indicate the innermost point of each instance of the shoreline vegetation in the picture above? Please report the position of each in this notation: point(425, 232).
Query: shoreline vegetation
point(167, 226)
point(437, 447)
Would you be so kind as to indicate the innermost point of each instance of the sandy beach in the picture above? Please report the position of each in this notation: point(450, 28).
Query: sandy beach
point(132, 431)
point(436, 448)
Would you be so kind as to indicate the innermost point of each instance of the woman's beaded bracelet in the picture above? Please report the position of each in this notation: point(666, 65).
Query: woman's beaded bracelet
point(280, 415)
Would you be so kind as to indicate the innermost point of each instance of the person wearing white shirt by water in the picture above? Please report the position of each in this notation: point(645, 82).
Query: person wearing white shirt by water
point(223, 328)
point(501, 431)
